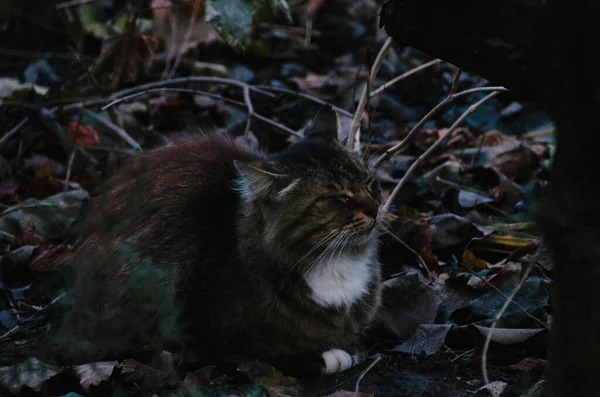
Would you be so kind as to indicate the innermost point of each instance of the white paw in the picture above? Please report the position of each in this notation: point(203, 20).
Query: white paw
point(336, 360)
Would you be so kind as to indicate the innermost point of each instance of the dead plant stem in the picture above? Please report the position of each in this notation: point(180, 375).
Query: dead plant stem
point(401, 77)
point(417, 128)
point(435, 145)
point(364, 98)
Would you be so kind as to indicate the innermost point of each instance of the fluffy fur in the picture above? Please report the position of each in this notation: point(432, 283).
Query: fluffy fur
point(271, 258)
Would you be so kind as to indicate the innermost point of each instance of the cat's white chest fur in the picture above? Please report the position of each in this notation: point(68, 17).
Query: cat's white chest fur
point(340, 280)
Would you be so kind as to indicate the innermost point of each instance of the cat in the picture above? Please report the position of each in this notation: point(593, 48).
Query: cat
point(266, 257)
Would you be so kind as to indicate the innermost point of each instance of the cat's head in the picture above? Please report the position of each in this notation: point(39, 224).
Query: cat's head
point(316, 197)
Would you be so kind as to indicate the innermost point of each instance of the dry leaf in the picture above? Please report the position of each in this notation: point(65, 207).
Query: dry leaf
point(472, 261)
point(172, 23)
point(32, 373)
point(509, 336)
point(82, 135)
point(94, 373)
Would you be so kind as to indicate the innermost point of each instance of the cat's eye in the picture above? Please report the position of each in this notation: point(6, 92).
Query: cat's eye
point(345, 199)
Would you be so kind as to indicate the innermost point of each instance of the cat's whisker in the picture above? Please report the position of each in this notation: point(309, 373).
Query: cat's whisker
point(323, 254)
point(316, 246)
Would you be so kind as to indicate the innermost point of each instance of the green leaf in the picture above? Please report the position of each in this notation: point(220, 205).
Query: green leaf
point(231, 18)
point(53, 216)
point(92, 17)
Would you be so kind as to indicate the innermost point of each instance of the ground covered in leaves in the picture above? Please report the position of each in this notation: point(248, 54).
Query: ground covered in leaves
point(84, 85)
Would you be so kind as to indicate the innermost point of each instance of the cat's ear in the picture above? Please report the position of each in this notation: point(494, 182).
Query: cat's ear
point(324, 125)
point(255, 182)
point(331, 126)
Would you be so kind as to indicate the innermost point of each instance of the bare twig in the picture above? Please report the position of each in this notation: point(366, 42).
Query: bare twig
point(488, 338)
point(435, 145)
point(117, 130)
point(188, 35)
point(417, 128)
point(14, 130)
point(305, 96)
point(521, 308)
point(362, 375)
point(364, 98)
point(209, 94)
point(408, 247)
point(455, 81)
point(250, 111)
point(168, 89)
point(404, 75)
point(70, 168)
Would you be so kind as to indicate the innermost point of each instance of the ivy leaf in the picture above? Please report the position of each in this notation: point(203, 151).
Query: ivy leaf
point(231, 18)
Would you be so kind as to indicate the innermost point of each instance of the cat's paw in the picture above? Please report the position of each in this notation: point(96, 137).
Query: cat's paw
point(337, 360)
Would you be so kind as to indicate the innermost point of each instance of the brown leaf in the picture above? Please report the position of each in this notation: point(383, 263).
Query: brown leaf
point(29, 236)
point(82, 135)
point(472, 261)
point(172, 21)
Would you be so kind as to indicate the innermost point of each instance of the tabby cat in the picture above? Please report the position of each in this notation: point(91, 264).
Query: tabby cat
point(267, 257)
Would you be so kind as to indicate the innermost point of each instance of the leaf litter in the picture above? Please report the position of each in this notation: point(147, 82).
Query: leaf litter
point(460, 230)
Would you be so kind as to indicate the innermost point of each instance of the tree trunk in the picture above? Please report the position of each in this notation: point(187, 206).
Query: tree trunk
point(541, 50)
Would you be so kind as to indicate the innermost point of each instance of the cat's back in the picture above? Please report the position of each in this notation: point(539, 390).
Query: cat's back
point(172, 192)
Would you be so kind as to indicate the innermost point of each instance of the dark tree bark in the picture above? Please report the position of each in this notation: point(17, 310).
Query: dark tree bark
point(542, 50)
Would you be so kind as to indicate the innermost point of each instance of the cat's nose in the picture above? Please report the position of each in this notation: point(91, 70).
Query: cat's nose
point(370, 207)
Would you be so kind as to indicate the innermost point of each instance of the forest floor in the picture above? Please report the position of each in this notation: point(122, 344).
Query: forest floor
point(84, 85)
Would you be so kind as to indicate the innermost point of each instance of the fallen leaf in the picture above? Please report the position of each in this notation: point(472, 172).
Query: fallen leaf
point(407, 302)
point(509, 336)
point(31, 373)
point(448, 230)
point(12, 90)
point(494, 388)
point(82, 135)
point(172, 24)
point(428, 339)
point(29, 236)
point(472, 261)
point(53, 216)
point(94, 373)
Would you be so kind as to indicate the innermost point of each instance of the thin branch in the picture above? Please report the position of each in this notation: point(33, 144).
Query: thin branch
point(455, 81)
point(435, 145)
point(404, 75)
point(417, 128)
point(488, 338)
point(117, 130)
point(248, 102)
point(14, 130)
point(364, 98)
point(531, 316)
point(77, 106)
point(408, 247)
point(209, 94)
point(70, 168)
point(362, 375)
point(167, 89)
point(280, 126)
point(305, 96)
point(188, 35)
